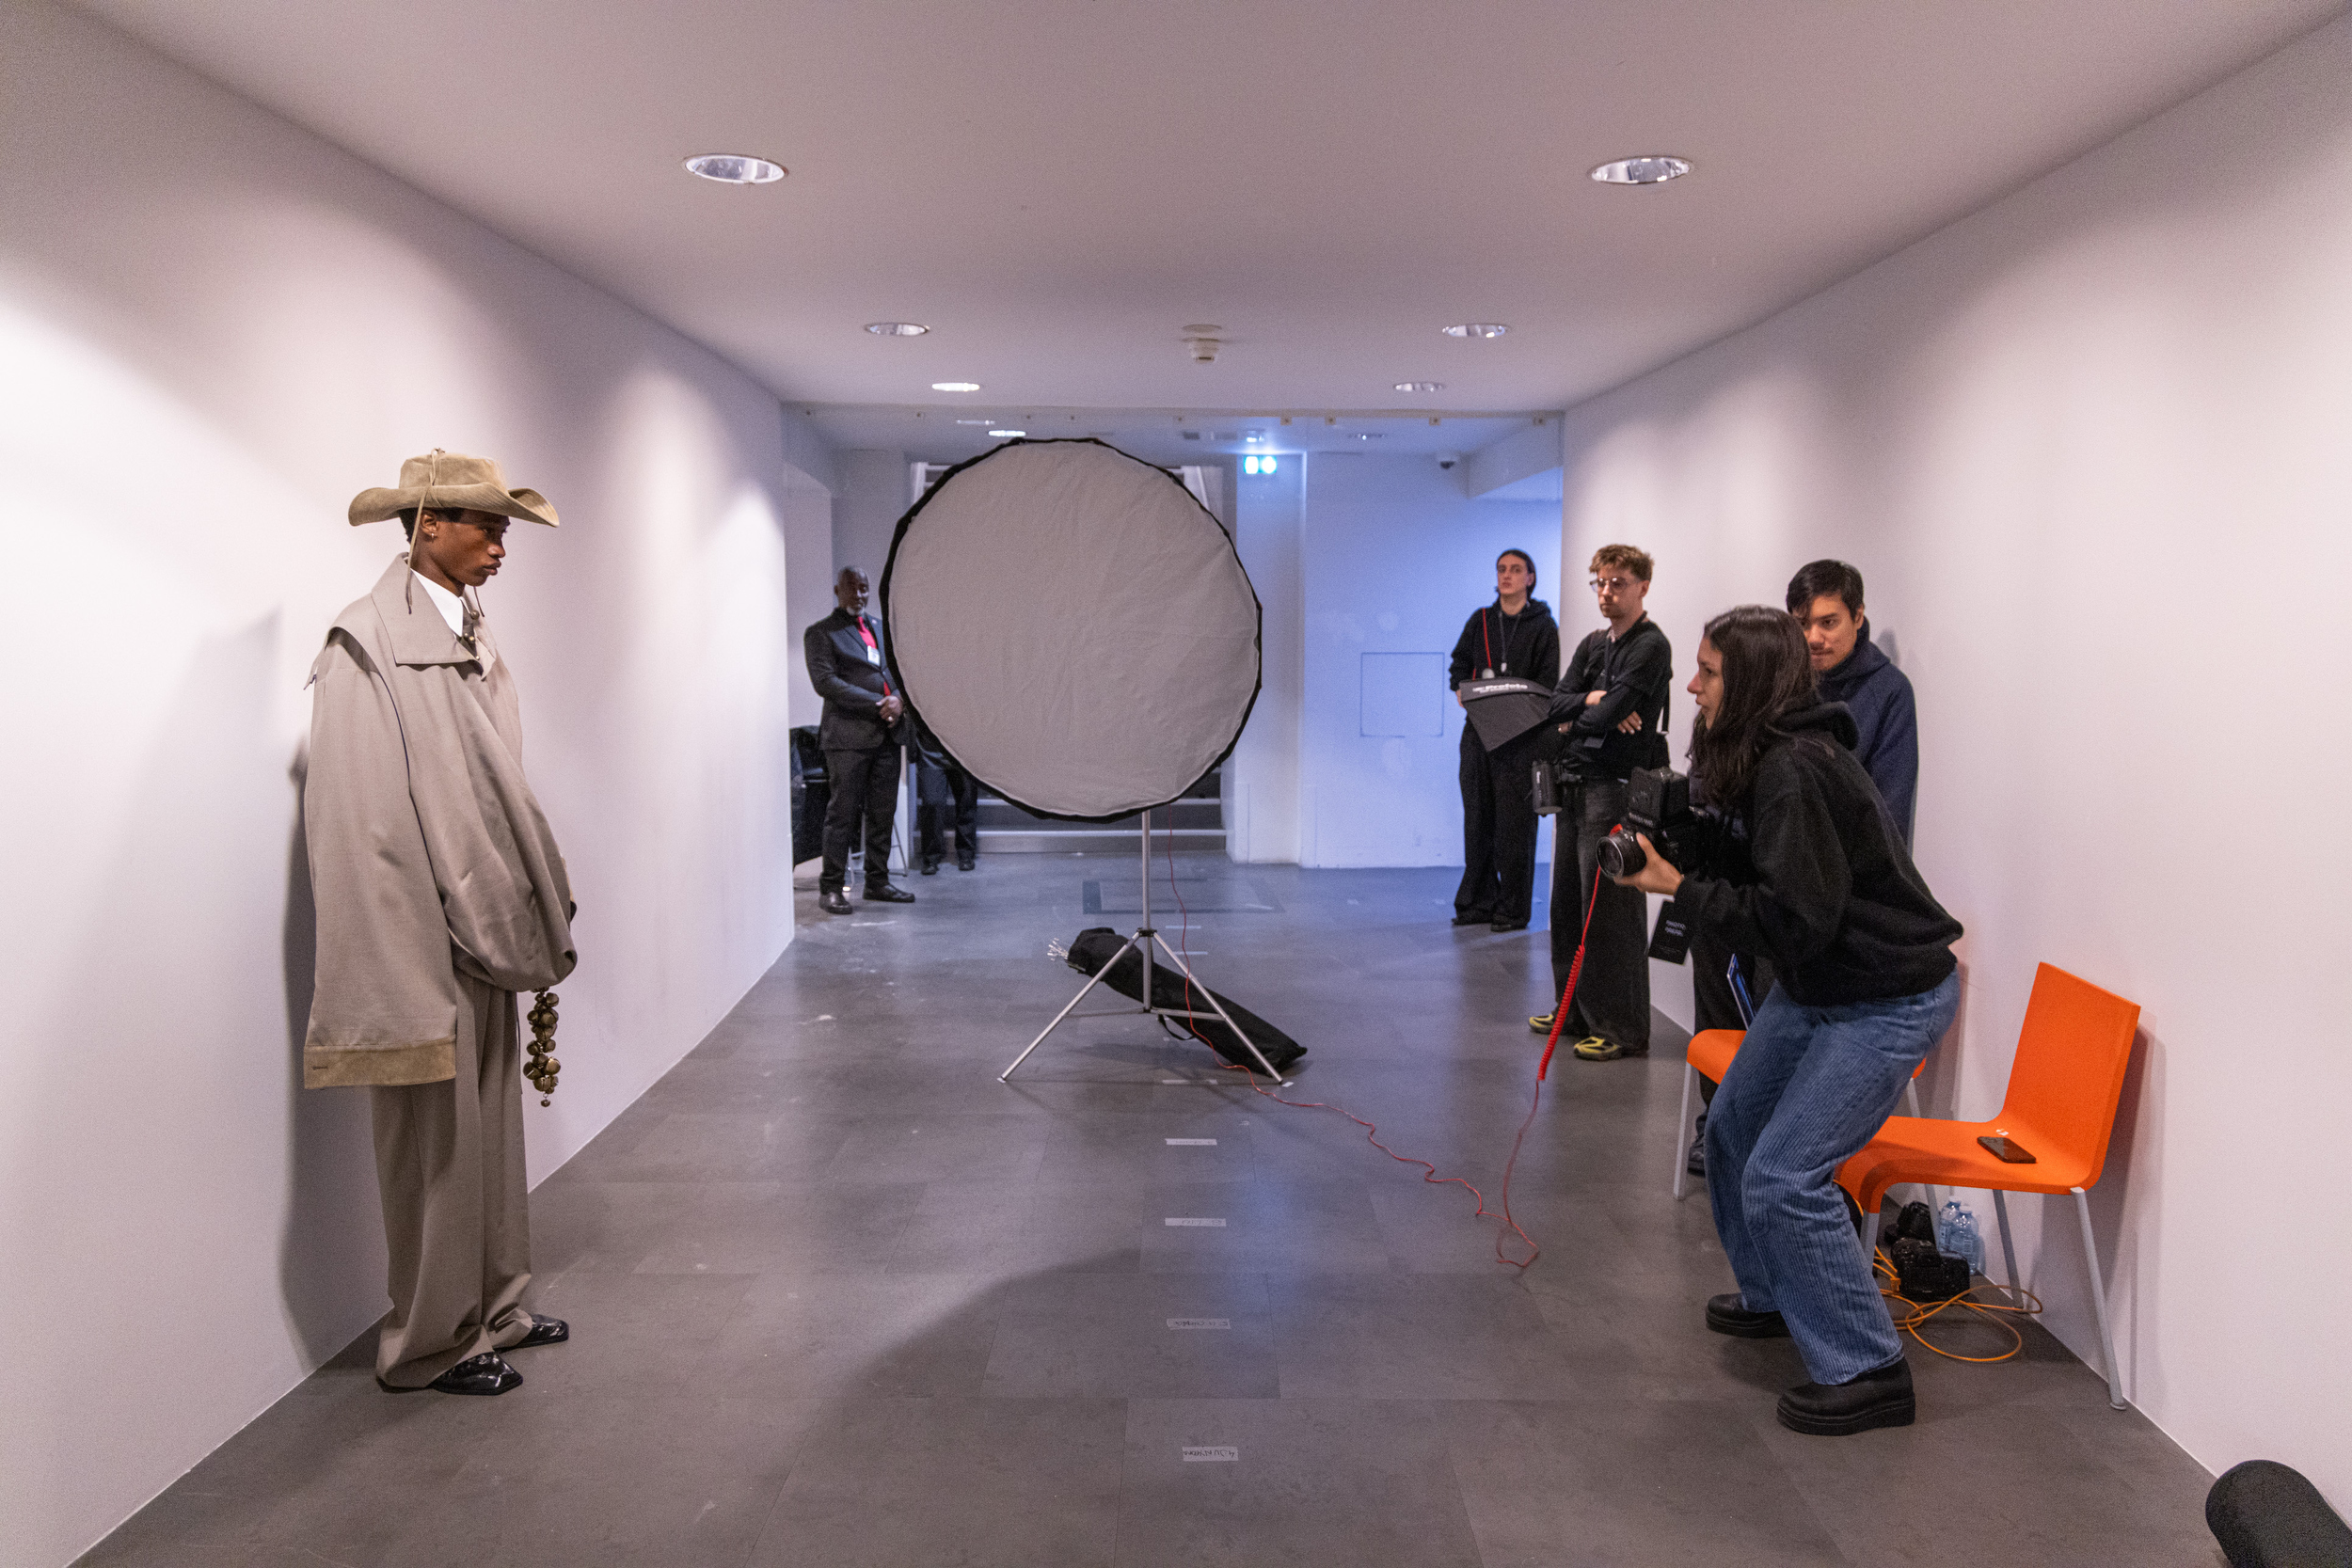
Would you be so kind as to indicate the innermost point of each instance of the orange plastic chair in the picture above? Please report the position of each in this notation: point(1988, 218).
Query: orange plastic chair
point(2061, 1108)
point(1709, 1056)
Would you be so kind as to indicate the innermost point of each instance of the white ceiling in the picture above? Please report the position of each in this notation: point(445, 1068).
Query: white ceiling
point(1058, 187)
point(1163, 435)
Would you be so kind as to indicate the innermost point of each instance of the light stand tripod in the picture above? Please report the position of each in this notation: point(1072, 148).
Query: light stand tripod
point(1142, 944)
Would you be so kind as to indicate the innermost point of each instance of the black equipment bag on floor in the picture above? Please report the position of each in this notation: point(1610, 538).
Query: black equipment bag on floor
point(1095, 946)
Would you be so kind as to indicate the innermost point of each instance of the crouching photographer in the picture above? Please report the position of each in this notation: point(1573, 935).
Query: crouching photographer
point(1824, 888)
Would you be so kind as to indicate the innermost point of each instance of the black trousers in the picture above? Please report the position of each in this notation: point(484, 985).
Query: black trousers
point(865, 786)
point(945, 797)
point(1612, 992)
point(1498, 830)
point(1715, 1007)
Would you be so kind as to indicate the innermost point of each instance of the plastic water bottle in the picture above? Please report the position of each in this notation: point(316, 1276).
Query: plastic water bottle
point(1956, 1235)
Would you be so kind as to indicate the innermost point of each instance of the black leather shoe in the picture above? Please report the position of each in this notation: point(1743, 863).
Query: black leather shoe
point(487, 1373)
point(544, 1331)
point(887, 894)
point(1510, 925)
point(1694, 1162)
point(833, 901)
point(1471, 917)
point(1878, 1398)
point(931, 868)
point(1724, 1315)
point(969, 863)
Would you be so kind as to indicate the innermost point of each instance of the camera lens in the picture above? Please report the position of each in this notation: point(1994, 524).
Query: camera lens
point(1620, 855)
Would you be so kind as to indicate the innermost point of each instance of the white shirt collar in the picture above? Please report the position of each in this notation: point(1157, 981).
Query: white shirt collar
point(453, 608)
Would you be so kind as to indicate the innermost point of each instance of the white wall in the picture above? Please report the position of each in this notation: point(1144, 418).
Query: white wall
point(1260, 780)
point(1394, 558)
point(215, 329)
point(875, 493)
point(2089, 447)
point(804, 512)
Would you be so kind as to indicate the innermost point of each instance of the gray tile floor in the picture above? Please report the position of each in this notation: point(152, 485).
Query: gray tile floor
point(842, 1300)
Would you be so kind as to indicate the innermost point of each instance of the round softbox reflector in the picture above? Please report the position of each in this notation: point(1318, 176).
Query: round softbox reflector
point(1074, 626)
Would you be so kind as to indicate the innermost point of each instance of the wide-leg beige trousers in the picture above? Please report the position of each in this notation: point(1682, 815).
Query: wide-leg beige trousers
point(449, 1158)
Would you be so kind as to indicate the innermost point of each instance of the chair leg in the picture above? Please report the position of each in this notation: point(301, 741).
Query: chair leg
point(2099, 1301)
point(2008, 1247)
point(1911, 1098)
point(1682, 1120)
point(1870, 1230)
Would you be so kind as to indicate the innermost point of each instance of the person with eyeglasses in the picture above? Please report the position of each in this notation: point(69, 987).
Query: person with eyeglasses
point(1609, 713)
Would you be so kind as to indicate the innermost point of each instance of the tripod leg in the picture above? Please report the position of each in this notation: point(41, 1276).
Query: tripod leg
point(1092, 981)
point(1238, 1029)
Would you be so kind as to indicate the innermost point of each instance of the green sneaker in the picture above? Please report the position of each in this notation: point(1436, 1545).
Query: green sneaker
point(1595, 1049)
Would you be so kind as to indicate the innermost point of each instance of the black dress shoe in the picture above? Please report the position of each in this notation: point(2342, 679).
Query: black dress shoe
point(833, 901)
point(1510, 925)
point(1876, 1398)
point(969, 863)
point(1694, 1162)
point(887, 894)
point(544, 1331)
point(1472, 917)
point(487, 1373)
point(931, 868)
point(1726, 1315)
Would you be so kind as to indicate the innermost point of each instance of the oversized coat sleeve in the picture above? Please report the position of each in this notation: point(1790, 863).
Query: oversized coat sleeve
point(384, 1007)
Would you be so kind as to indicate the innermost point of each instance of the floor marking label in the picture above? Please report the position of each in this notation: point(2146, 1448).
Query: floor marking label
point(1193, 1143)
point(1217, 1224)
point(1211, 1456)
point(1200, 1322)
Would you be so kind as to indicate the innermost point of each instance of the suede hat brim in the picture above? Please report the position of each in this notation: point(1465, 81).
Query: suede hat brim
point(450, 482)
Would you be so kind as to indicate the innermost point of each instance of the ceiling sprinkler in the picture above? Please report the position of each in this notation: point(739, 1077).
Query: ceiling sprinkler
point(1201, 340)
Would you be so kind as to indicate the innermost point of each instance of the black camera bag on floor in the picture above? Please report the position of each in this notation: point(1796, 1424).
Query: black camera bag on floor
point(1095, 946)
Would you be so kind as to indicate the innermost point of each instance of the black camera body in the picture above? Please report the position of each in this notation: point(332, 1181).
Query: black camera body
point(1658, 806)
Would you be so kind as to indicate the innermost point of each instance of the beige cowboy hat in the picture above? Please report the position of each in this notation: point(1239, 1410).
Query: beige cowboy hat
point(451, 480)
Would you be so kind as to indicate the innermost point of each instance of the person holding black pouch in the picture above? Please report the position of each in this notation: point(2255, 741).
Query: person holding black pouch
point(1868, 984)
point(1514, 635)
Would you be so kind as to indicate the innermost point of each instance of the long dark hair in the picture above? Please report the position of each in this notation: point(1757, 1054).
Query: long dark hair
point(1767, 675)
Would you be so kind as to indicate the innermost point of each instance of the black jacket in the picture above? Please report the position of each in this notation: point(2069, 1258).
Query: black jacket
point(1526, 645)
point(1826, 889)
point(1635, 670)
point(852, 684)
point(1879, 696)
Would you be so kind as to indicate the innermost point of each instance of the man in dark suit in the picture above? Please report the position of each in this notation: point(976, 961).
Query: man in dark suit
point(864, 727)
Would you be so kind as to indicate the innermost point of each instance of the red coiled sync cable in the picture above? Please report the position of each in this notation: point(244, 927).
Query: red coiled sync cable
point(1429, 1172)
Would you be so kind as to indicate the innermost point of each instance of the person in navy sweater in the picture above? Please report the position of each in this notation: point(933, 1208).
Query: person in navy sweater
point(1825, 597)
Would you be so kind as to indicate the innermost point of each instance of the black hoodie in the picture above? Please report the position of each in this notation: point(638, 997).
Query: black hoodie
point(1526, 645)
point(1830, 894)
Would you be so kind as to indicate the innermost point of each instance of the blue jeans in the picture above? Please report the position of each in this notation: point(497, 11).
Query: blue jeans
point(1808, 1088)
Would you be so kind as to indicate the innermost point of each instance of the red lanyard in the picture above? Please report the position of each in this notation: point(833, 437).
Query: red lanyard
point(874, 648)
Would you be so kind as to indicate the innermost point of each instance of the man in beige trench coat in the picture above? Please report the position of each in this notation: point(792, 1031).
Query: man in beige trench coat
point(440, 893)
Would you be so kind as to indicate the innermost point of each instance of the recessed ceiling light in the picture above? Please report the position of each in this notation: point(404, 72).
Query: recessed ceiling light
point(896, 329)
point(1007, 434)
point(975, 421)
point(735, 168)
point(1476, 329)
point(1654, 171)
point(1421, 386)
point(949, 385)
point(1368, 435)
